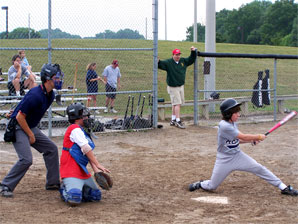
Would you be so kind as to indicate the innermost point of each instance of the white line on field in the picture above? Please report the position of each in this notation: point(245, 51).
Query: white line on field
point(212, 199)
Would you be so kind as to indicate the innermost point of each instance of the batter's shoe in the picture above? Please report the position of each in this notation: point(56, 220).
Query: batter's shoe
point(179, 124)
point(290, 191)
point(6, 192)
point(173, 123)
point(194, 186)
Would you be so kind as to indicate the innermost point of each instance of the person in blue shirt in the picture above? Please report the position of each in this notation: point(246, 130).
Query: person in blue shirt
point(91, 82)
point(28, 114)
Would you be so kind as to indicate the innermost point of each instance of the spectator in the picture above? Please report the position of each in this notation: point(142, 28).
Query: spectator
point(176, 70)
point(16, 82)
point(111, 76)
point(91, 82)
point(24, 60)
point(28, 114)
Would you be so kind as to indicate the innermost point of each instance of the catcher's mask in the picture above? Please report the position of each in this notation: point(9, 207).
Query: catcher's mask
point(227, 108)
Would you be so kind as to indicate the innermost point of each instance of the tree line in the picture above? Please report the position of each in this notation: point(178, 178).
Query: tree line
point(258, 22)
point(23, 33)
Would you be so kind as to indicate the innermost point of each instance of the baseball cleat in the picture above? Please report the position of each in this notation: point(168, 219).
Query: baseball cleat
point(290, 191)
point(194, 186)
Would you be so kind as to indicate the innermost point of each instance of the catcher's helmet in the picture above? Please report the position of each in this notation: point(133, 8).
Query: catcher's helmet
point(48, 71)
point(227, 105)
point(76, 111)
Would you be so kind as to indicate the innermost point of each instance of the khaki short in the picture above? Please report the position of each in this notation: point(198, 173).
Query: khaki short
point(176, 94)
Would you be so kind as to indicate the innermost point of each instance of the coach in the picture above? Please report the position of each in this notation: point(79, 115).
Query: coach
point(176, 69)
point(28, 114)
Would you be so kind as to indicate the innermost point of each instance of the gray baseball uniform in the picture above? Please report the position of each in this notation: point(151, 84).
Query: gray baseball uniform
point(230, 158)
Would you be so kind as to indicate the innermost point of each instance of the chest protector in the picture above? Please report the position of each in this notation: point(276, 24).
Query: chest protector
point(76, 152)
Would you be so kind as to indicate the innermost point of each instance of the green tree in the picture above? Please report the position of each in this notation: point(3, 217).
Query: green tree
point(278, 22)
point(121, 34)
point(21, 33)
point(200, 33)
point(58, 34)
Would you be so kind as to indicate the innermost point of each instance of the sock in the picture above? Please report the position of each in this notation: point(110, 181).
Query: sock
point(173, 117)
point(282, 186)
point(112, 108)
point(18, 93)
point(177, 119)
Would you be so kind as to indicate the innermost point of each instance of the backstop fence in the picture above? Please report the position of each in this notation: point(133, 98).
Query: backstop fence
point(215, 76)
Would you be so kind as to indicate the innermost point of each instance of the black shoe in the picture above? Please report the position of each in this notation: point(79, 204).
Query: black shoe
point(53, 187)
point(194, 186)
point(290, 191)
point(5, 191)
point(179, 124)
point(173, 123)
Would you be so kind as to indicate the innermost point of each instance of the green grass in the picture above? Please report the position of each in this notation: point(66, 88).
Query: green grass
point(137, 66)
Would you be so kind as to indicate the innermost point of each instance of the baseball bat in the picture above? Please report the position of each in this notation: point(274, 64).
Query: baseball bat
point(126, 111)
point(137, 111)
point(144, 98)
point(283, 121)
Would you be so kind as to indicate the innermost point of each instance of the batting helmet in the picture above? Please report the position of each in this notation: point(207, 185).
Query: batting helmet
point(77, 111)
point(48, 71)
point(227, 105)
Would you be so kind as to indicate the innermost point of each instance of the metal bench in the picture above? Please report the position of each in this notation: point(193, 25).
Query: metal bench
point(205, 105)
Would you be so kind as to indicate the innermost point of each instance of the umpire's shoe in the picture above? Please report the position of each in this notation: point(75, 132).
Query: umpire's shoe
point(194, 186)
point(290, 191)
point(5, 191)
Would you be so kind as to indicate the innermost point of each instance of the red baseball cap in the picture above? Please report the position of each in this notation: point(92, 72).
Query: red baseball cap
point(115, 62)
point(176, 51)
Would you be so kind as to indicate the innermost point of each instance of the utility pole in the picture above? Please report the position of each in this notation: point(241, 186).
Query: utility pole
point(29, 25)
point(6, 8)
point(195, 26)
point(166, 20)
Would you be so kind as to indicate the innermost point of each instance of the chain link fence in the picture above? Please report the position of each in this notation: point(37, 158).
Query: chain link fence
point(76, 35)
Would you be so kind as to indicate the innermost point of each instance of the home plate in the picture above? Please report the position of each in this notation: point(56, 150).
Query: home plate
point(212, 199)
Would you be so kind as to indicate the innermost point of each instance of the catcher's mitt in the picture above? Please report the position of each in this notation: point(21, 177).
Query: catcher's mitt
point(103, 180)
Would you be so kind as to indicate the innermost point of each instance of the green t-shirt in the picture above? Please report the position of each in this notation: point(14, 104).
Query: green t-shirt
point(176, 72)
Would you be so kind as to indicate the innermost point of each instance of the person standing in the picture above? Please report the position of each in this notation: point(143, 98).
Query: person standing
point(176, 70)
point(91, 82)
point(111, 76)
point(230, 158)
point(77, 183)
point(28, 114)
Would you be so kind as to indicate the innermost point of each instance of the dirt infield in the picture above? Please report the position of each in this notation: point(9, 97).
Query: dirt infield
point(151, 172)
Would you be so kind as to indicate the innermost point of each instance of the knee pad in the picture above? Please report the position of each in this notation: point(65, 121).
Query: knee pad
point(93, 195)
point(73, 196)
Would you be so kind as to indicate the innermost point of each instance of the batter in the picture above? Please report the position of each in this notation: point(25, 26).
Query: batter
point(229, 156)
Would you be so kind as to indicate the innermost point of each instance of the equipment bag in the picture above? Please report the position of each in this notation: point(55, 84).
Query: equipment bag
point(256, 98)
point(266, 86)
point(10, 131)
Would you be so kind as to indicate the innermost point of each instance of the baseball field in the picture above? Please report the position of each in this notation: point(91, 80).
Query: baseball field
point(151, 172)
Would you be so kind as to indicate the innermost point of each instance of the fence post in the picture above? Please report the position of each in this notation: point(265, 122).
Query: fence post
point(155, 60)
point(275, 86)
point(49, 60)
point(195, 90)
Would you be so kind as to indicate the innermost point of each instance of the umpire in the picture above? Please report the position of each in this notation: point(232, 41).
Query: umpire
point(28, 114)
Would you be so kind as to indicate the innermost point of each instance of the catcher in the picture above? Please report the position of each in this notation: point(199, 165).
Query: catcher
point(77, 183)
